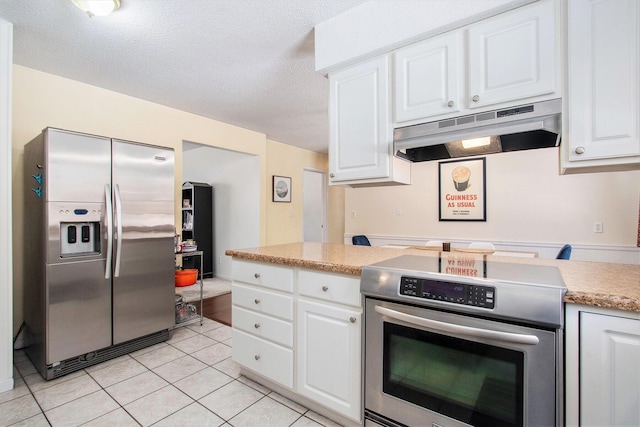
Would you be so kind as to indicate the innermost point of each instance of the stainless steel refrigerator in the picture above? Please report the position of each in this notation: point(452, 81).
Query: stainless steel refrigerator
point(99, 259)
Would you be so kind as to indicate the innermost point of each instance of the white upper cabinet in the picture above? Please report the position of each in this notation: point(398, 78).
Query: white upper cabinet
point(602, 121)
point(361, 142)
point(503, 61)
point(513, 55)
point(427, 78)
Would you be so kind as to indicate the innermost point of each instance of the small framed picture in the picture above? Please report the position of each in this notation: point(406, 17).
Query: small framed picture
point(281, 189)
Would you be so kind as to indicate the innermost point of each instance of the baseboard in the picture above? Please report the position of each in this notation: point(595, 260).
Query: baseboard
point(595, 253)
point(6, 385)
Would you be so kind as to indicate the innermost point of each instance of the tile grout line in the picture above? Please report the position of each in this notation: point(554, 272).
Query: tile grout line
point(264, 392)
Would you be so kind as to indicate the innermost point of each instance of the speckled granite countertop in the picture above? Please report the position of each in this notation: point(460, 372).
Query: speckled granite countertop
point(590, 283)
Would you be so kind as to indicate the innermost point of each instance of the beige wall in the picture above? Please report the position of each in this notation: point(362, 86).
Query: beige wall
point(284, 220)
point(527, 200)
point(43, 100)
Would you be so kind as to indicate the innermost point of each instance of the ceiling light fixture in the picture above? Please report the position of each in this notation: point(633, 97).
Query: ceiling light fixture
point(97, 7)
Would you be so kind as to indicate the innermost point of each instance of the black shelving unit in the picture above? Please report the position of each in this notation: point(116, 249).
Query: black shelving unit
point(197, 224)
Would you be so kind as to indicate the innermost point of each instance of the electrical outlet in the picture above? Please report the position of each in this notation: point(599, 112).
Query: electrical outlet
point(597, 227)
point(219, 260)
point(353, 214)
point(398, 211)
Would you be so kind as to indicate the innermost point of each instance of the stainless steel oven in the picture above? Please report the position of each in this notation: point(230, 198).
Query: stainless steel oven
point(458, 340)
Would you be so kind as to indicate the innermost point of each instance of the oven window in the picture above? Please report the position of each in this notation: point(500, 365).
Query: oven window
point(475, 383)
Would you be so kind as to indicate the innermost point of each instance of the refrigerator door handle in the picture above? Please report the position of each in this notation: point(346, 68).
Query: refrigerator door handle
point(118, 221)
point(108, 219)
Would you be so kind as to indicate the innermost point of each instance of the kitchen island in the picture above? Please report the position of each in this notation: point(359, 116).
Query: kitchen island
point(317, 318)
point(596, 284)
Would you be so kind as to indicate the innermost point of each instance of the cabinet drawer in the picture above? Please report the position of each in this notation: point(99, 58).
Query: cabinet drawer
point(267, 275)
point(263, 326)
point(263, 301)
point(267, 359)
point(330, 287)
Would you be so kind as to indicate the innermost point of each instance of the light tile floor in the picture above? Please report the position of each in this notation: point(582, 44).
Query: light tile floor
point(189, 380)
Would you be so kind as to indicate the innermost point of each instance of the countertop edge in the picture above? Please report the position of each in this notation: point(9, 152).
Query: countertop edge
point(573, 296)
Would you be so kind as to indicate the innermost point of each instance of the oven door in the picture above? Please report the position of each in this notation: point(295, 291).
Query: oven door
point(426, 367)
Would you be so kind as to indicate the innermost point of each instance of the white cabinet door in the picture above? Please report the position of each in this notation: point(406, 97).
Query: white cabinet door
point(513, 55)
point(609, 370)
point(361, 141)
point(427, 78)
point(329, 356)
point(603, 81)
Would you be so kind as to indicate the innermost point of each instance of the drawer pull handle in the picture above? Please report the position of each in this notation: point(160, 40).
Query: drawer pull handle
point(257, 357)
point(352, 319)
point(325, 288)
point(256, 325)
point(450, 104)
point(256, 275)
point(475, 98)
point(257, 301)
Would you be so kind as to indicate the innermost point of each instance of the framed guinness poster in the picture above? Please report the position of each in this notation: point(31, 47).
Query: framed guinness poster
point(462, 190)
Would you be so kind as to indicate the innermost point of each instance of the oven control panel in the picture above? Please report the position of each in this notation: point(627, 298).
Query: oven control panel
point(457, 293)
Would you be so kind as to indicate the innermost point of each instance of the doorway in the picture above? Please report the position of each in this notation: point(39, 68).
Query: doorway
point(314, 205)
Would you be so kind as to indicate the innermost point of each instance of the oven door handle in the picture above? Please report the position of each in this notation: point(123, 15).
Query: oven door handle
point(458, 329)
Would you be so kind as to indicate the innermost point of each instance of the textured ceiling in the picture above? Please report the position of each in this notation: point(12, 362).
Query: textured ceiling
point(245, 62)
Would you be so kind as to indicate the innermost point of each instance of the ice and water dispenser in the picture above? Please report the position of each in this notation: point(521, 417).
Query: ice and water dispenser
point(79, 237)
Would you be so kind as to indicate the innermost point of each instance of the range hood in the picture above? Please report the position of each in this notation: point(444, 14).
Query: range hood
point(524, 127)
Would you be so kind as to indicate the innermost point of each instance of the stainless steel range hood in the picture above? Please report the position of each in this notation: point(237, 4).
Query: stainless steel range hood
point(525, 127)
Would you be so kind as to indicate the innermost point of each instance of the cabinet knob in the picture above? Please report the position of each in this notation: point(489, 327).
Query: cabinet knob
point(325, 288)
point(256, 275)
point(475, 98)
point(579, 150)
point(331, 175)
point(450, 104)
point(352, 319)
point(257, 301)
point(257, 357)
point(256, 325)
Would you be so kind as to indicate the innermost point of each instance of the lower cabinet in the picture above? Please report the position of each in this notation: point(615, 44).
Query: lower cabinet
point(301, 329)
point(328, 356)
point(602, 367)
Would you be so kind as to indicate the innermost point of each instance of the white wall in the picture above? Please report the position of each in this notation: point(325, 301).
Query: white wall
point(235, 179)
point(6, 252)
point(527, 201)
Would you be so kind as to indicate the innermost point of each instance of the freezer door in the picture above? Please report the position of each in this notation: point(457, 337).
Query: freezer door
point(143, 282)
point(78, 309)
point(77, 166)
point(144, 172)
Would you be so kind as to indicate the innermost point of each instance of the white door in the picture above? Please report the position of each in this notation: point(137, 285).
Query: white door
point(427, 78)
point(329, 356)
point(360, 141)
point(604, 79)
point(609, 372)
point(513, 55)
point(314, 206)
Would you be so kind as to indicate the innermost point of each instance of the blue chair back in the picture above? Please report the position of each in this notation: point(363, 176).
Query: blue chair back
point(360, 240)
point(565, 252)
